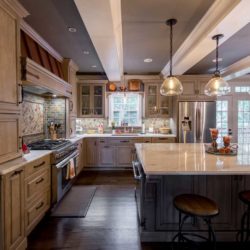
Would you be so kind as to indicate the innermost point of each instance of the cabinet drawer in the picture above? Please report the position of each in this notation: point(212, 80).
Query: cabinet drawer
point(35, 184)
point(37, 165)
point(122, 141)
point(147, 140)
point(163, 139)
point(36, 210)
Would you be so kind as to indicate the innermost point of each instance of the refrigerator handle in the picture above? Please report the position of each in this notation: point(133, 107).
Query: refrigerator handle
point(198, 124)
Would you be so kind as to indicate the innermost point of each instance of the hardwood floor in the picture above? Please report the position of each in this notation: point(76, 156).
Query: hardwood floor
point(110, 224)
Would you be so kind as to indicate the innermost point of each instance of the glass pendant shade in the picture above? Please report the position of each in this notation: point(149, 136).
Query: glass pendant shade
point(171, 87)
point(217, 86)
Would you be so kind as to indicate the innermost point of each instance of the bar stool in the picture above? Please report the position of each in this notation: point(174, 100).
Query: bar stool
point(195, 206)
point(244, 233)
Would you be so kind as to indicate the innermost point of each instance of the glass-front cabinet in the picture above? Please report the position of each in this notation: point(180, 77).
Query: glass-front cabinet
point(156, 105)
point(91, 100)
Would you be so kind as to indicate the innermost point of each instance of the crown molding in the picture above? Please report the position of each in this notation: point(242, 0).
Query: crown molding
point(224, 16)
point(36, 37)
point(16, 7)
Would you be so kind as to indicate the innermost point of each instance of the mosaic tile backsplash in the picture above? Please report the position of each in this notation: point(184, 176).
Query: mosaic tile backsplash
point(85, 124)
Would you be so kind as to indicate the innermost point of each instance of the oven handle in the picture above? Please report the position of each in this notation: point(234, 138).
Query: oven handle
point(66, 160)
point(136, 170)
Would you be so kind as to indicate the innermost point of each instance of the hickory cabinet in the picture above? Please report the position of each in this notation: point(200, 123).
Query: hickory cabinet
point(10, 83)
point(91, 100)
point(156, 105)
point(12, 211)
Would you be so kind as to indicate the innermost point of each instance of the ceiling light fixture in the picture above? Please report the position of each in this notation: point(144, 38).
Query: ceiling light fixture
point(54, 95)
point(85, 52)
point(171, 85)
point(72, 29)
point(148, 60)
point(217, 86)
point(93, 66)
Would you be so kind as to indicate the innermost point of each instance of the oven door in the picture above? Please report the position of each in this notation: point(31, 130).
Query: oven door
point(61, 182)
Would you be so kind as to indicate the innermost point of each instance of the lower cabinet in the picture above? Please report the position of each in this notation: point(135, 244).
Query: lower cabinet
point(10, 140)
point(116, 152)
point(12, 211)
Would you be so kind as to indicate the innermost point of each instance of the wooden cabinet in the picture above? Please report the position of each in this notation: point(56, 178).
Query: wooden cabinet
point(91, 100)
point(9, 60)
point(193, 88)
point(10, 82)
point(163, 139)
point(80, 159)
point(91, 152)
point(124, 156)
point(156, 105)
point(10, 137)
point(106, 155)
point(37, 188)
point(12, 211)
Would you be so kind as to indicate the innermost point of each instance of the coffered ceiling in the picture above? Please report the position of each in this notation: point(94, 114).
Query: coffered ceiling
point(145, 34)
point(119, 34)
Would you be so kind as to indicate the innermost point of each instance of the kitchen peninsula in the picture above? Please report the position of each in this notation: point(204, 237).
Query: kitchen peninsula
point(166, 170)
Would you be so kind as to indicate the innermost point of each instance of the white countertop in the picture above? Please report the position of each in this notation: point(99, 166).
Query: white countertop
point(36, 154)
point(21, 161)
point(190, 159)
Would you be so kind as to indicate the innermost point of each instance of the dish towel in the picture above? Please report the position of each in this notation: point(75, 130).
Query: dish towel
point(71, 173)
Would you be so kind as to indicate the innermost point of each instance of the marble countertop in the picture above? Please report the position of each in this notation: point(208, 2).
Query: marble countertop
point(190, 159)
point(21, 161)
point(36, 154)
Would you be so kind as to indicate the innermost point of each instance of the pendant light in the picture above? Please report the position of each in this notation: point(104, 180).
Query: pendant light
point(171, 85)
point(217, 86)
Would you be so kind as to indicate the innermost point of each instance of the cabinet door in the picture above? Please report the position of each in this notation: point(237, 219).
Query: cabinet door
point(98, 101)
point(9, 52)
point(124, 156)
point(14, 209)
point(85, 101)
point(151, 101)
point(164, 105)
point(106, 156)
point(10, 140)
point(189, 88)
point(91, 152)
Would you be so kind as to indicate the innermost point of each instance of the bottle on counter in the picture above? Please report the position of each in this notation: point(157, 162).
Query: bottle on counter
point(143, 130)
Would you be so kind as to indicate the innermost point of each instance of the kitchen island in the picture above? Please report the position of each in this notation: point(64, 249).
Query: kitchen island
point(166, 170)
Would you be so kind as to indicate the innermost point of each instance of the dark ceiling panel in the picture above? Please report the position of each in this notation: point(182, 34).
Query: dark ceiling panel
point(51, 19)
point(145, 34)
point(231, 51)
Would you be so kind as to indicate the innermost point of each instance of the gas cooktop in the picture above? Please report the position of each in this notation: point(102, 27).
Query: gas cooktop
point(49, 144)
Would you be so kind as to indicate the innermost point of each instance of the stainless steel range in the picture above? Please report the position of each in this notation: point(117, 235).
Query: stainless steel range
point(63, 152)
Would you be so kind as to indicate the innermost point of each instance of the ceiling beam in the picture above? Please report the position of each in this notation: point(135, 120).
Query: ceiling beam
point(224, 16)
point(104, 25)
point(237, 69)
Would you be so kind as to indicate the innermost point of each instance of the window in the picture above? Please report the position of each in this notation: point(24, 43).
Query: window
point(222, 118)
point(244, 121)
point(242, 89)
point(125, 107)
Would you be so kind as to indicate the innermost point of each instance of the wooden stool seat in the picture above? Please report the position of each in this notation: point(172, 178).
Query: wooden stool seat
point(196, 205)
point(245, 196)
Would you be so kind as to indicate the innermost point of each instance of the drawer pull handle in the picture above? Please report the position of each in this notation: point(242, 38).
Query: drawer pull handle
point(40, 205)
point(17, 172)
point(39, 181)
point(39, 165)
point(124, 141)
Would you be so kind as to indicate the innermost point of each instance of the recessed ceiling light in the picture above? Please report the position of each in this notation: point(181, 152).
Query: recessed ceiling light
point(148, 60)
point(85, 52)
point(54, 95)
point(72, 29)
point(219, 60)
point(93, 66)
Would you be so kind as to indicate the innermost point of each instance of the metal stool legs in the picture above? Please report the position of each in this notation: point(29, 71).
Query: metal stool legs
point(244, 233)
point(182, 236)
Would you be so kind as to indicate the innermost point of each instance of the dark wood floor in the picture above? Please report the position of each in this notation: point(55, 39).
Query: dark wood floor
point(110, 224)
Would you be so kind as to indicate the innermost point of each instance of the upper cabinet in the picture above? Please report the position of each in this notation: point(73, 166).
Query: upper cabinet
point(9, 60)
point(156, 105)
point(193, 87)
point(91, 100)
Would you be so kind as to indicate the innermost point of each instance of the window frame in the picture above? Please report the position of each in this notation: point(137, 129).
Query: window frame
point(140, 108)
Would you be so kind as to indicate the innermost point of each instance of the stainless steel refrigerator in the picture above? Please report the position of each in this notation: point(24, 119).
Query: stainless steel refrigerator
point(195, 119)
